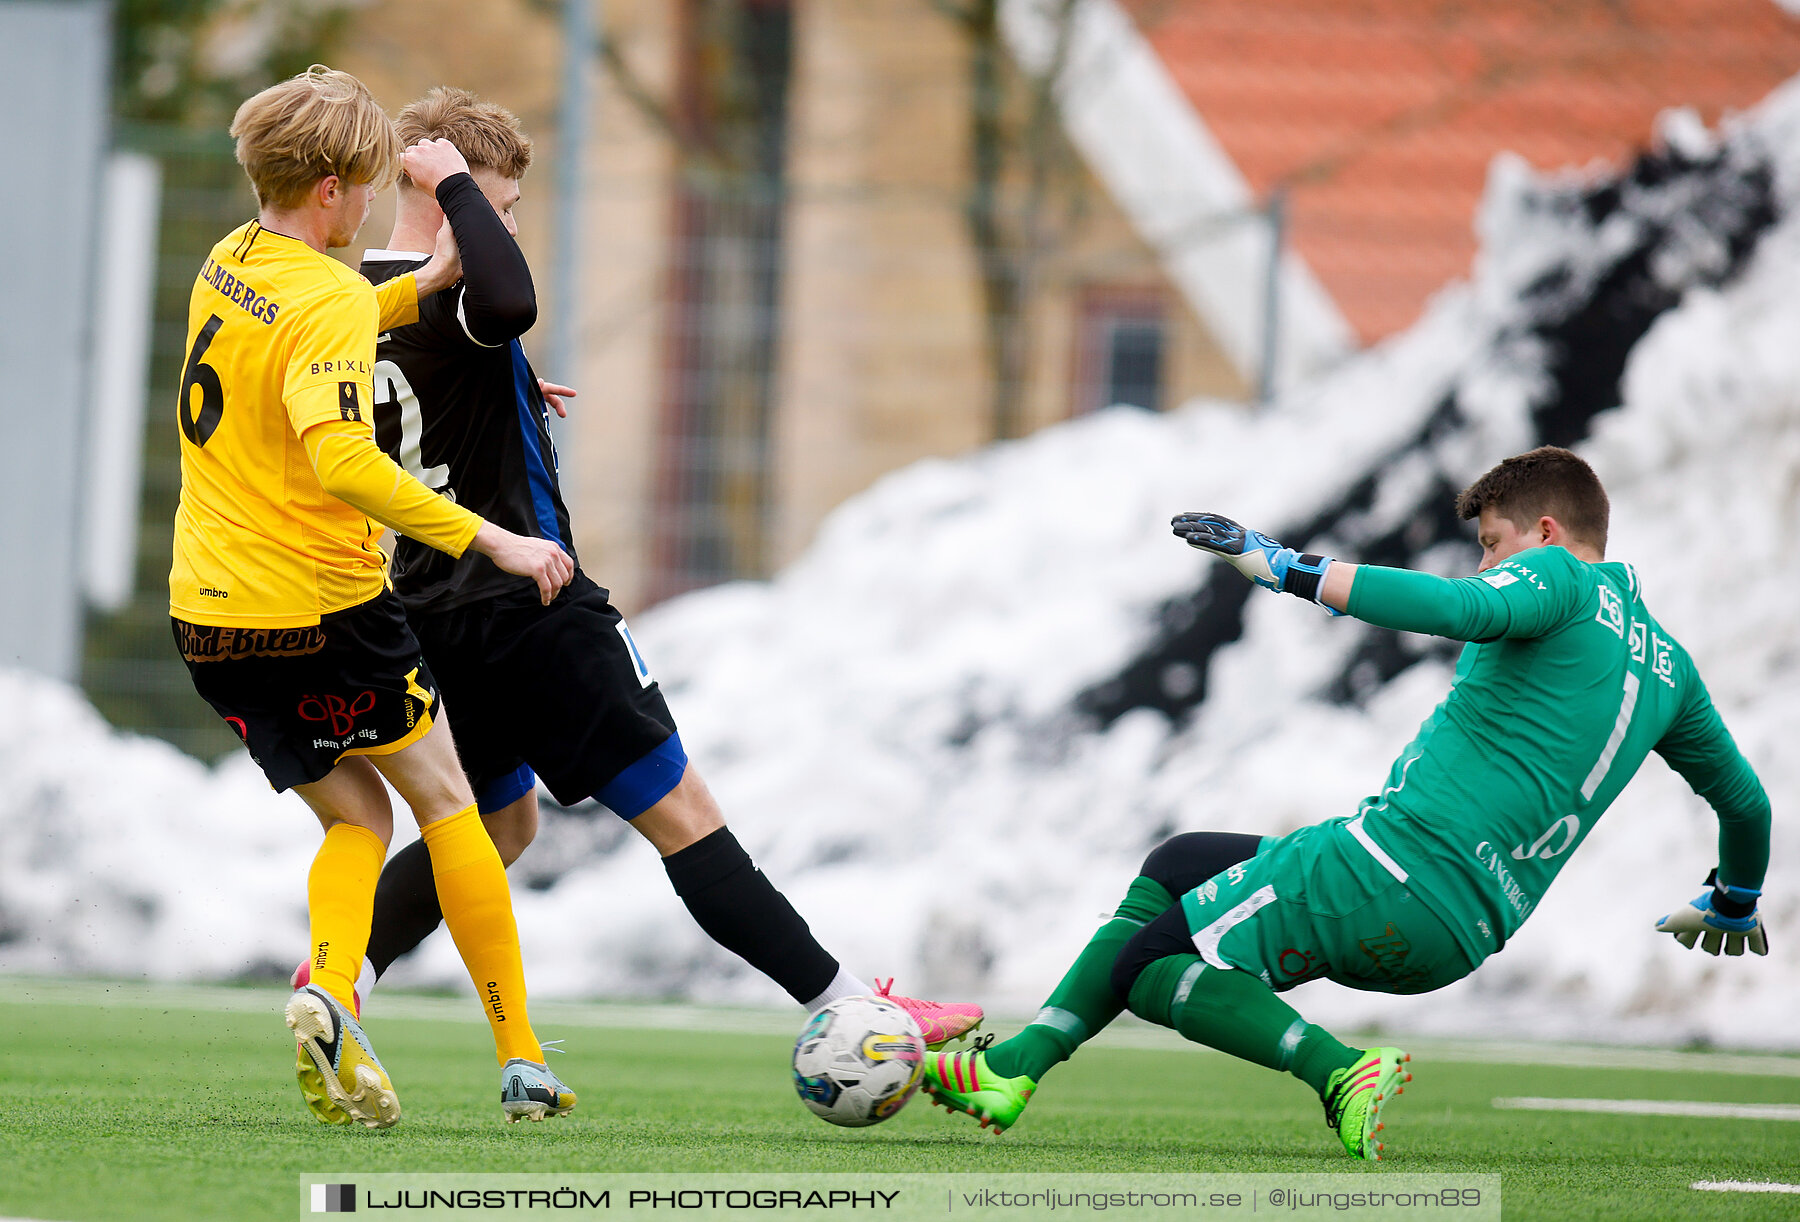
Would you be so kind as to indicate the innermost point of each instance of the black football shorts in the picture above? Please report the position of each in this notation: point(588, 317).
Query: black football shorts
point(355, 683)
point(559, 692)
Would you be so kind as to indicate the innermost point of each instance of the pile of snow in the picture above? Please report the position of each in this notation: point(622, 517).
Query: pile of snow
point(898, 729)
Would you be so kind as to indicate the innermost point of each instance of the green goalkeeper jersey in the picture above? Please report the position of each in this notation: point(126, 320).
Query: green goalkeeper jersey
point(1568, 683)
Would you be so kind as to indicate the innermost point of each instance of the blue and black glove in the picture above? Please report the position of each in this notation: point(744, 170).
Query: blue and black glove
point(1723, 915)
point(1255, 555)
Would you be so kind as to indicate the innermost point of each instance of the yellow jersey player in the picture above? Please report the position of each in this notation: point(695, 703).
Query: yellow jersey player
point(278, 594)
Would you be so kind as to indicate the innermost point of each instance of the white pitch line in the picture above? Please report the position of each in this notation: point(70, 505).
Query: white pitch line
point(1656, 1107)
point(1742, 1186)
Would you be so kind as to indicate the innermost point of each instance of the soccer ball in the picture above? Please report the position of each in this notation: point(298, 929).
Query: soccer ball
point(858, 1060)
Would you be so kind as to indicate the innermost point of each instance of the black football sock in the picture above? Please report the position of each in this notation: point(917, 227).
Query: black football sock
point(741, 910)
point(406, 906)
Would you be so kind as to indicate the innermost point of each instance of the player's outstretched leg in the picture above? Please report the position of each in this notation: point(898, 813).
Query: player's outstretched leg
point(966, 1082)
point(994, 1082)
point(351, 1082)
point(939, 1021)
point(1237, 1013)
point(740, 909)
point(1084, 1001)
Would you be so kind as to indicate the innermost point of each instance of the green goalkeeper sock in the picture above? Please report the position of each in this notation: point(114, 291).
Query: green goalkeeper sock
point(1237, 1013)
point(1084, 1001)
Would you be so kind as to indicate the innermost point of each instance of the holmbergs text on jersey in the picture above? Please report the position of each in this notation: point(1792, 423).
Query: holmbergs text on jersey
point(239, 292)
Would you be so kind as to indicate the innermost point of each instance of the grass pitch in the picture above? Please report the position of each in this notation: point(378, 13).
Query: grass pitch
point(120, 1102)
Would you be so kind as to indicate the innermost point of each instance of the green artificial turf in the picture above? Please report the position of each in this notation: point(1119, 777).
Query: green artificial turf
point(124, 1104)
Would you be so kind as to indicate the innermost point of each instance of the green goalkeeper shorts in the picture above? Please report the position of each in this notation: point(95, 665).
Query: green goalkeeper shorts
point(1316, 904)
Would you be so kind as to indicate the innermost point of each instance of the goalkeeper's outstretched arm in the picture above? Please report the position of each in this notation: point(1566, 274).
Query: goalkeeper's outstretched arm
point(1463, 609)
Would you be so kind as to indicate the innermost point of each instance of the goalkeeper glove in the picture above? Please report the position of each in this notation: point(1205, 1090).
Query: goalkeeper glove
point(1722, 915)
point(1255, 555)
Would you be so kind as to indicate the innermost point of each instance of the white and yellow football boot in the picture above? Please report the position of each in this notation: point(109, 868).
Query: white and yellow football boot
point(337, 1060)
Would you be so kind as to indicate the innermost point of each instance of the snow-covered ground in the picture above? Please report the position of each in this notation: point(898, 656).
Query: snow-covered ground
point(899, 728)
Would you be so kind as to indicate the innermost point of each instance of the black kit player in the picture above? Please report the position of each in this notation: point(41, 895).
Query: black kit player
point(556, 692)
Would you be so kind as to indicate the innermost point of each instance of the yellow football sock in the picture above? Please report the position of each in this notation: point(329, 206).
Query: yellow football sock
point(340, 900)
point(477, 904)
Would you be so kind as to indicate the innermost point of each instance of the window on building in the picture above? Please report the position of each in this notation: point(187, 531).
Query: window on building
point(1120, 356)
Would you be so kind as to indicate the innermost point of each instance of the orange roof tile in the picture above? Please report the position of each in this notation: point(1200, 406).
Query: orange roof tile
point(1383, 115)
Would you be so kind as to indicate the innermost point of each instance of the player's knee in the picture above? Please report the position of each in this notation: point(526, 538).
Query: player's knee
point(1183, 862)
point(513, 827)
point(1166, 935)
point(684, 816)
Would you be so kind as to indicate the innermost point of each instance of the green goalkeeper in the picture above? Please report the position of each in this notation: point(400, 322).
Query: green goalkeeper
point(1567, 683)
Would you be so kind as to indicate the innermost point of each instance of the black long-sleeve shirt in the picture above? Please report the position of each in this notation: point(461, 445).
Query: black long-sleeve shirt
point(458, 405)
point(498, 301)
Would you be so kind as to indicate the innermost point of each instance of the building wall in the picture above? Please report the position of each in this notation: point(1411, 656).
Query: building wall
point(884, 360)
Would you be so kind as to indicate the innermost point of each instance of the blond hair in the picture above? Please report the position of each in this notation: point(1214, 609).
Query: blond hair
point(486, 133)
point(311, 126)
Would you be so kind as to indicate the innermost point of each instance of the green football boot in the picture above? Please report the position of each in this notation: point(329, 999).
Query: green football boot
point(1354, 1099)
point(962, 1082)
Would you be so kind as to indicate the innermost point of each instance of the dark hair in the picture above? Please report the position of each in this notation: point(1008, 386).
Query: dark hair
point(1548, 482)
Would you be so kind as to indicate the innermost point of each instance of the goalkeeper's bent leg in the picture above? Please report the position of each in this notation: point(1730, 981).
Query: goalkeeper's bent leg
point(1237, 1013)
point(1084, 1001)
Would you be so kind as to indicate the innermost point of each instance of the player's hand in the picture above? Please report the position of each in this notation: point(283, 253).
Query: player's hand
point(1255, 555)
point(430, 162)
point(554, 395)
point(1722, 916)
point(445, 266)
point(539, 559)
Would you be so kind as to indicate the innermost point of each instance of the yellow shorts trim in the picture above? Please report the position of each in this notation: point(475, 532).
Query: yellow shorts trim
point(399, 744)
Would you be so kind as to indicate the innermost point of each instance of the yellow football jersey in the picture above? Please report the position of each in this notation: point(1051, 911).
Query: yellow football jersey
point(280, 337)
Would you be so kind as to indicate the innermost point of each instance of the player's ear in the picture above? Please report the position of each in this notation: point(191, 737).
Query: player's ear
point(329, 189)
